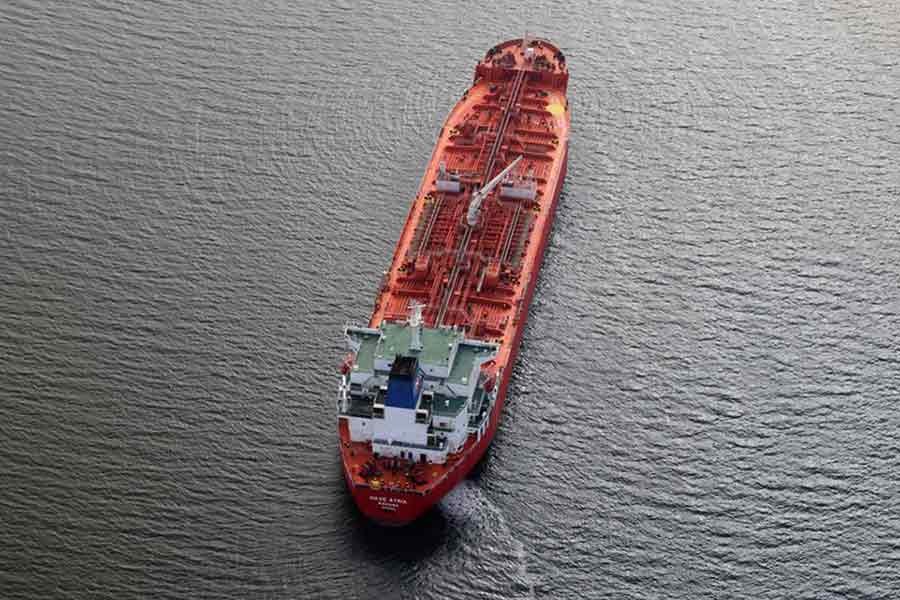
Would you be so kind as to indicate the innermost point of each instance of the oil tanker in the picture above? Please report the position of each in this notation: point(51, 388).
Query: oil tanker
point(423, 386)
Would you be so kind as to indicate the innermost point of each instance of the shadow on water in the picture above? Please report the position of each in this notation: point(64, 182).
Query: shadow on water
point(410, 543)
point(413, 542)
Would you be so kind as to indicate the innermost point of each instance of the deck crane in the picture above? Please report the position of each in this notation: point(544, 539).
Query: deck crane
point(479, 196)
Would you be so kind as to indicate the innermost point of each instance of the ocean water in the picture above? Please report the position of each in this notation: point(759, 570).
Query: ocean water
point(196, 196)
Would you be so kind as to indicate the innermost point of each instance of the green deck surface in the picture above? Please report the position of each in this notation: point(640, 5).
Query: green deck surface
point(436, 344)
point(365, 356)
point(465, 360)
point(447, 406)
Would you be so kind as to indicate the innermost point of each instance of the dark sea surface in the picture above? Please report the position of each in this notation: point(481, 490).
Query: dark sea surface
point(196, 196)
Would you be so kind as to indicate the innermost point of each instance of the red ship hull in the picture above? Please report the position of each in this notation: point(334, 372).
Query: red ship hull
point(502, 312)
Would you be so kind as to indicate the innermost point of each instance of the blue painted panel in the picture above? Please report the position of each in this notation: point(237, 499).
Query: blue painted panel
point(401, 392)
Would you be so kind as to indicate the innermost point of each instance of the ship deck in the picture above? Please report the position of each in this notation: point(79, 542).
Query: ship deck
point(474, 277)
point(393, 472)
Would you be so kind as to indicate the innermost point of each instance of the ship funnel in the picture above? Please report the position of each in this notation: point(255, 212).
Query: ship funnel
point(404, 383)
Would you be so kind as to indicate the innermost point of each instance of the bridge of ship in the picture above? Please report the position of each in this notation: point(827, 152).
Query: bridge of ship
point(451, 402)
point(446, 358)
